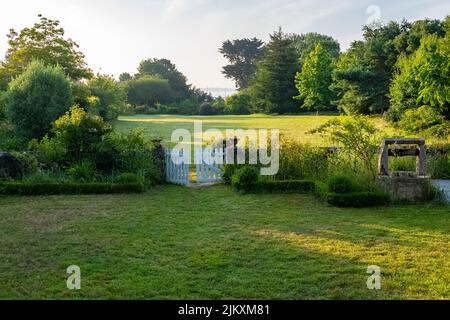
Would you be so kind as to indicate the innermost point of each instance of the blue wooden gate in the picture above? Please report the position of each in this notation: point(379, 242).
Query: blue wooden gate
point(177, 171)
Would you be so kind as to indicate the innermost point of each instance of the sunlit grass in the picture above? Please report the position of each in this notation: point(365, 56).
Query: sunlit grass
point(213, 243)
point(296, 127)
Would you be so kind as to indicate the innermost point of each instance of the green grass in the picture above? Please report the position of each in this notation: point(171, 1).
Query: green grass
point(212, 243)
point(295, 127)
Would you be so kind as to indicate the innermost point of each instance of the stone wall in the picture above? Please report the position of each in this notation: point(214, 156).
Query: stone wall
point(406, 188)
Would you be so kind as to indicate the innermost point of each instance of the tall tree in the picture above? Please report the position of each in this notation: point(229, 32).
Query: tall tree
point(304, 44)
point(36, 98)
point(110, 96)
point(274, 86)
point(44, 41)
point(165, 69)
point(242, 55)
point(314, 81)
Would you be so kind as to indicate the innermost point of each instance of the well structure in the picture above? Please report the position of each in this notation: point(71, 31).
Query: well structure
point(404, 185)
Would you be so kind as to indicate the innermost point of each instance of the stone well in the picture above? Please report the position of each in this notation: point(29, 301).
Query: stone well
point(409, 186)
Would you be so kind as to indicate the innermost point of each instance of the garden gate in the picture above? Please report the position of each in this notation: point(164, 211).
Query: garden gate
point(208, 170)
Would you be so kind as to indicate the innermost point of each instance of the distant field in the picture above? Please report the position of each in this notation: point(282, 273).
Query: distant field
point(162, 126)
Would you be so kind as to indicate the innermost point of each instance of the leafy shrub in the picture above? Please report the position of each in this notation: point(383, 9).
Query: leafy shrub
point(83, 171)
point(37, 98)
point(238, 103)
point(207, 109)
point(27, 160)
point(341, 184)
point(245, 178)
point(128, 178)
point(358, 199)
point(301, 161)
point(9, 141)
point(111, 97)
point(228, 172)
point(35, 189)
point(420, 119)
point(148, 90)
point(296, 186)
point(49, 152)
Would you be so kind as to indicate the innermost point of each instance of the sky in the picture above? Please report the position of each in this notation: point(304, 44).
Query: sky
point(115, 35)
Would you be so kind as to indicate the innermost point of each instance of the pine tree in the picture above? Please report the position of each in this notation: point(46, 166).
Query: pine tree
point(275, 86)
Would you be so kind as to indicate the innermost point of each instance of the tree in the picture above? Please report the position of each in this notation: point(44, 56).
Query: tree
point(242, 55)
point(314, 81)
point(165, 69)
point(44, 41)
point(37, 98)
point(423, 78)
point(238, 103)
point(111, 97)
point(125, 77)
point(304, 44)
point(149, 91)
point(274, 83)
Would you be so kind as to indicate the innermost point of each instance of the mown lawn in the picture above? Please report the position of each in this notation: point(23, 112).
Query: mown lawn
point(212, 243)
point(297, 127)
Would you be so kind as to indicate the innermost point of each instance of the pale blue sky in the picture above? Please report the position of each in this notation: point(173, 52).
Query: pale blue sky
point(116, 35)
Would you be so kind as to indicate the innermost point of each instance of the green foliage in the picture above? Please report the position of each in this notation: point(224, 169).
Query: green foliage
point(245, 178)
point(207, 109)
point(274, 82)
point(2, 105)
point(304, 44)
point(301, 161)
point(420, 119)
point(165, 69)
point(38, 189)
point(44, 41)
point(37, 98)
point(341, 184)
point(242, 55)
point(82, 135)
point(292, 186)
point(83, 171)
point(239, 103)
point(363, 199)
point(149, 91)
point(111, 97)
point(314, 81)
point(128, 178)
point(9, 141)
point(133, 153)
point(28, 161)
point(423, 79)
point(358, 137)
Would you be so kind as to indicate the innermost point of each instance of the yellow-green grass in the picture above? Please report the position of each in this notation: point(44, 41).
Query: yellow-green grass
point(213, 243)
point(296, 127)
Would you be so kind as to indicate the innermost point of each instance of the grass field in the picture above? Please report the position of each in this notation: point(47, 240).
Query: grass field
point(292, 126)
point(212, 243)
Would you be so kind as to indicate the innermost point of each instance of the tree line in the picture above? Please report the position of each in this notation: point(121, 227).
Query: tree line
point(400, 70)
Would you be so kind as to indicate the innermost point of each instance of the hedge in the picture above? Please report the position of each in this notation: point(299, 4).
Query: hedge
point(358, 199)
point(294, 186)
point(35, 189)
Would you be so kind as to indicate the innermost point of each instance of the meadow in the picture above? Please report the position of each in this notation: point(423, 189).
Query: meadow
point(213, 243)
point(296, 126)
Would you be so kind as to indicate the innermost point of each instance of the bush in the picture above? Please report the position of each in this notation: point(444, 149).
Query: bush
point(206, 109)
point(295, 186)
point(27, 160)
point(35, 189)
point(149, 90)
point(83, 171)
point(420, 119)
point(238, 104)
point(358, 199)
point(228, 172)
point(301, 161)
point(128, 178)
point(245, 178)
point(111, 97)
point(341, 184)
point(37, 98)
